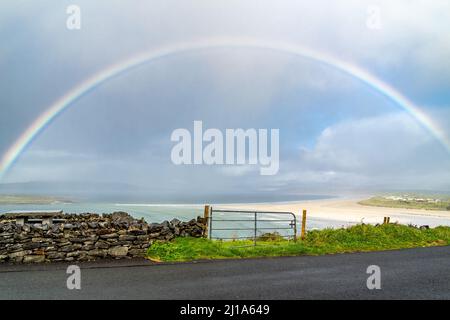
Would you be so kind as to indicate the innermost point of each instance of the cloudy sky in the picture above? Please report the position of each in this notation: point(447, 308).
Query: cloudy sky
point(337, 134)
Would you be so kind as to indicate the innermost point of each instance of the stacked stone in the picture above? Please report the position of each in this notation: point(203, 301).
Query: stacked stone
point(176, 228)
point(86, 237)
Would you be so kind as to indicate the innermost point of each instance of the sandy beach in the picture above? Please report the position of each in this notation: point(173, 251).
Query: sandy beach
point(336, 212)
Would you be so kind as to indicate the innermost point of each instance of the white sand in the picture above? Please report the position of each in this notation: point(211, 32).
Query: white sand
point(338, 212)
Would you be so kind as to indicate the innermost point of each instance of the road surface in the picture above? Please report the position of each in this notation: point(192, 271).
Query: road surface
point(422, 273)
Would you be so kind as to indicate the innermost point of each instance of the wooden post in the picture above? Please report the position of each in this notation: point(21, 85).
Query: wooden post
point(303, 225)
point(206, 217)
point(388, 220)
point(295, 229)
point(256, 229)
point(384, 220)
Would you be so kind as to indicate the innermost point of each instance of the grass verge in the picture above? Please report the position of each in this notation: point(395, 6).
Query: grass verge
point(359, 238)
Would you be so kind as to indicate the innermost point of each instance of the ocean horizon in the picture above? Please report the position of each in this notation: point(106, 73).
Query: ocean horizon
point(159, 212)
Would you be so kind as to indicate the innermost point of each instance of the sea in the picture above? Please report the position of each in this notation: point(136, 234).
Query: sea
point(226, 225)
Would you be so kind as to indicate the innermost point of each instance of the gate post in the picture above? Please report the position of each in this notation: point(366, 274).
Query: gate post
point(256, 229)
point(303, 224)
point(206, 218)
point(295, 228)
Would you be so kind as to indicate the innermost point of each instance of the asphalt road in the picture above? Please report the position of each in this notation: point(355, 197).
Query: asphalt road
point(422, 273)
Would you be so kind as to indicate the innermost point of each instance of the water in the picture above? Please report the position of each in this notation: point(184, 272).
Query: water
point(150, 212)
point(184, 212)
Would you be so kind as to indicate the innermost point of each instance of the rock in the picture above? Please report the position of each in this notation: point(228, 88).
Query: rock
point(165, 230)
point(21, 237)
point(120, 216)
point(73, 254)
point(103, 224)
point(34, 259)
point(69, 248)
point(19, 254)
point(154, 235)
point(127, 238)
point(16, 247)
point(57, 236)
point(56, 255)
point(93, 225)
point(83, 225)
point(118, 251)
point(154, 227)
point(7, 234)
point(102, 245)
point(39, 251)
point(109, 236)
point(169, 236)
point(165, 224)
point(97, 253)
point(5, 241)
point(87, 236)
point(137, 232)
point(36, 227)
point(57, 227)
point(122, 243)
point(88, 247)
point(34, 245)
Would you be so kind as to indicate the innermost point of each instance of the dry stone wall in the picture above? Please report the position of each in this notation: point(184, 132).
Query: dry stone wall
point(85, 237)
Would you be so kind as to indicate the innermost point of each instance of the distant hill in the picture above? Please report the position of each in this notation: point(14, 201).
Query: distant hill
point(126, 193)
point(48, 191)
point(410, 201)
point(18, 199)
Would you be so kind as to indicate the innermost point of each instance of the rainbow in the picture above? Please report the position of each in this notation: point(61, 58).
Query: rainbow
point(44, 120)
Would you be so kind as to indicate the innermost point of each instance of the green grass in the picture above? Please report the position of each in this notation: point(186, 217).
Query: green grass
point(359, 238)
point(444, 204)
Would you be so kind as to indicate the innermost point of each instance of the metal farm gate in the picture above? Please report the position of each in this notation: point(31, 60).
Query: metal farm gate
point(249, 224)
